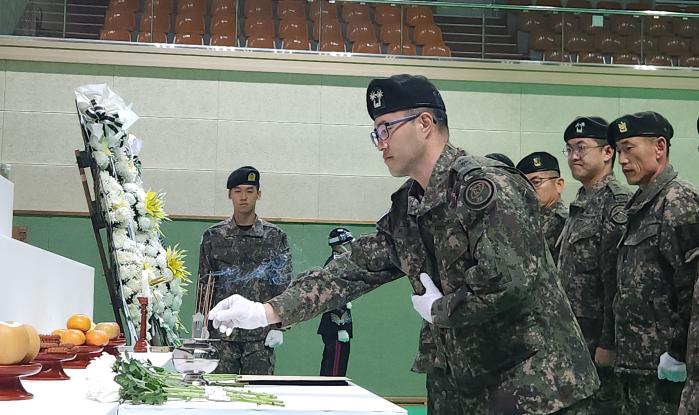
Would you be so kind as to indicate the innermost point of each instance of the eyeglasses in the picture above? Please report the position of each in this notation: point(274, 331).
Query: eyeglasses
point(381, 133)
point(538, 181)
point(579, 149)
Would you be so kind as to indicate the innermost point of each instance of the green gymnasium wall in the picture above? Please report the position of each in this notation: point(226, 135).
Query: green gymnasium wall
point(385, 325)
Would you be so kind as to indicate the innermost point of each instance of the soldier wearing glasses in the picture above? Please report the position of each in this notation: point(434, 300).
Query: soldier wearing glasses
point(588, 249)
point(655, 279)
point(542, 170)
point(498, 335)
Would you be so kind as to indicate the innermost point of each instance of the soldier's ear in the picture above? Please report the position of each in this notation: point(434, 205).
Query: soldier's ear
point(229, 193)
point(259, 194)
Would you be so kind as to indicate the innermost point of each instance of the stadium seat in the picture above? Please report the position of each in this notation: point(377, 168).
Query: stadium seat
point(333, 45)
point(329, 10)
point(157, 7)
point(332, 29)
point(115, 35)
point(223, 7)
point(191, 7)
point(658, 60)
point(610, 43)
point(259, 27)
point(155, 23)
point(391, 33)
point(189, 39)
point(260, 42)
point(296, 43)
point(408, 49)
point(386, 14)
point(126, 5)
point(626, 59)
point(418, 15)
point(148, 37)
point(428, 33)
point(189, 23)
point(366, 46)
point(357, 31)
point(689, 61)
point(223, 24)
point(223, 39)
point(355, 12)
point(436, 50)
point(590, 57)
point(118, 19)
point(293, 28)
point(258, 8)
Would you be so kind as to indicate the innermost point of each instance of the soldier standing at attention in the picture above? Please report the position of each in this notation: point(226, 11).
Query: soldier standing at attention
point(588, 249)
point(249, 256)
point(654, 282)
point(542, 170)
point(336, 325)
point(498, 335)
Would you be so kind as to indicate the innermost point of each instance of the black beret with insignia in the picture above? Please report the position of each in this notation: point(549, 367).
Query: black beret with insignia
point(538, 161)
point(244, 175)
point(401, 92)
point(339, 236)
point(586, 127)
point(640, 124)
point(501, 158)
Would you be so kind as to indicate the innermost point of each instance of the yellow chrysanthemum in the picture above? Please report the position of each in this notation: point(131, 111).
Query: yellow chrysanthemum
point(154, 206)
point(175, 262)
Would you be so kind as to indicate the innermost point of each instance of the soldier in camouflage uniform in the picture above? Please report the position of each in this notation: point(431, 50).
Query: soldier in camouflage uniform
point(588, 249)
point(249, 256)
point(498, 334)
point(542, 170)
point(654, 281)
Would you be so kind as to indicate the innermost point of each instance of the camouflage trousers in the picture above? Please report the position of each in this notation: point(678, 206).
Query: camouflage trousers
point(690, 398)
point(444, 399)
point(646, 395)
point(608, 398)
point(245, 358)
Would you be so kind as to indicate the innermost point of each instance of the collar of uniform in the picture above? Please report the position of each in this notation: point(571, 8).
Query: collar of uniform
point(234, 229)
point(585, 196)
point(557, 208)
point(436, 191)
point(641, 197)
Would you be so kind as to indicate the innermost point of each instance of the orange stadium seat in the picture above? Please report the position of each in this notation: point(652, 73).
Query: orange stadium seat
point(545, 41)
point(155, 23)
point(291, 9)
point(332, 29)
point(610, 43)
point(119, 20)
point(637, 42)
point(674, 46)
point(333, 45)
point(658, 60)
point(223, 39)
point(223, 24)
point(392, 33)
point(436, 50)
point(366, 46)
point(689, 61)
point(428, 33)
point(386, 14)
point(148, 37)
point(296, 43)
point(191, 7)
point(223, 7)
point(329, 10)
point(626, 59)
point(260, 42)
point(258, 8)
point(126, 5)
point(408, 49)
point(590, 57)
point(357, 31)
point(117, 35)
point(293, 28)
point(189, 23)
point(355, 12)
point(189, 39)
point(418, 15)
point(557, 56)
point(157, 7)
point(579, 42)
point(259, 27)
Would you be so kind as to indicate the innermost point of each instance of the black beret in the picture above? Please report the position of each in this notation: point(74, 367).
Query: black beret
point(401, 92)
point(586, 127)
point(538, 161)
point(501, 158)
point(640, 124)
point(244, 175)
point(339, 236)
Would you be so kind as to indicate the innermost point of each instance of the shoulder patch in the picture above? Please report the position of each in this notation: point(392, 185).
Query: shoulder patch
point(618, 215)
point(478, 193)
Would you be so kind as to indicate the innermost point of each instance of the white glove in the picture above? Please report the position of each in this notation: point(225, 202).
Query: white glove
point(423, 303)
point(671, 369)
point(274, 338)
point(238, 311)
point(343, 336)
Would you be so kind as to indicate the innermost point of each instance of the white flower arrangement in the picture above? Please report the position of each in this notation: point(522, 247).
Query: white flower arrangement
point(134, 214)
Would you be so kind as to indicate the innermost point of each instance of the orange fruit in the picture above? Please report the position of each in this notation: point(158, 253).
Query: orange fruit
point(72, 336)
point(96, 338)
point(79, 322)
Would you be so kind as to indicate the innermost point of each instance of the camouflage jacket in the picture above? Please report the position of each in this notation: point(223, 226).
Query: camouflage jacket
point(553, 219)
point(689, 405)
point(587, 257)
point(504, 315)
point(654, 283)
point(254, 263)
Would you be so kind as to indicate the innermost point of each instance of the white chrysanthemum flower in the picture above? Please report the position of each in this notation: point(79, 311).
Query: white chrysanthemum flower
point(141, 196)
point(161, 261)
point(145, 223)
point(130, 198)
point(101, 159)
point(140, 207)
point(150, 250)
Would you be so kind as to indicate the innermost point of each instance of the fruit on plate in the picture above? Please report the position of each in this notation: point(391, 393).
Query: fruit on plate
point(18, 343)
point(96, 338)
point(112, 329)
point(73, 336)
point(80, 322)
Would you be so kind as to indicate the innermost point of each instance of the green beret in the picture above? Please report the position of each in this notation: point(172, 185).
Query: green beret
point(586, 127)
point(401, 92)
point(538, 161)
point(244, 175)
point(640, 124)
